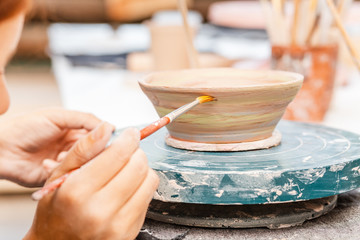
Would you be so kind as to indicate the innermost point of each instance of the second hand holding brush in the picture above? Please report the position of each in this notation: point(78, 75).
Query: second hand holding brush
point(144, 133)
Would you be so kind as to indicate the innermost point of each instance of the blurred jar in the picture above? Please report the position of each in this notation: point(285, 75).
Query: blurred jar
point(318, 65)
point(304, 39)
point(168, 39)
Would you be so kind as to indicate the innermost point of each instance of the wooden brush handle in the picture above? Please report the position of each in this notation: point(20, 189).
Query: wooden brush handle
point(51, 186)
point(154, 127)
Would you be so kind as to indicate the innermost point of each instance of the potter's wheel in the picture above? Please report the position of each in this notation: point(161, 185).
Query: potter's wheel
point(299, 178)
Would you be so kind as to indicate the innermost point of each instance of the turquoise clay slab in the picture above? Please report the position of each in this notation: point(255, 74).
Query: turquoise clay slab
point(311, 162)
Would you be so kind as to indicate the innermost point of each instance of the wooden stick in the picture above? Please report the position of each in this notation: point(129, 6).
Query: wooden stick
point(295, 23)
point(313, 5)
point(278, 6)
point(312, 21)
point(192, 53)
point(340, 6)
point(269, 19)
point(282, 2)
point(305, 22)
point(349, 43)
point(312, 30)
point(279, 22)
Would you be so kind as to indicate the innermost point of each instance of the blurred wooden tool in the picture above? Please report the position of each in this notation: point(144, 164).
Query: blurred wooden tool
point(192, 53)
point(354, 53)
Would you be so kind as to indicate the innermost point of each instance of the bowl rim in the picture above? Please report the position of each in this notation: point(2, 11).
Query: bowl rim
point(296, 79)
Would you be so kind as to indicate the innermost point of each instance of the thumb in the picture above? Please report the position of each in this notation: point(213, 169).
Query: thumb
point(85, 149)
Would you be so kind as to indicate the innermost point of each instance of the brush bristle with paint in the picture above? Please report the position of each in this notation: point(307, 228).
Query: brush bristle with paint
point(143, 133)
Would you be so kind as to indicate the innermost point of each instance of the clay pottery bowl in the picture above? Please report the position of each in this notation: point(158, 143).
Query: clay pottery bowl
point(249, 103)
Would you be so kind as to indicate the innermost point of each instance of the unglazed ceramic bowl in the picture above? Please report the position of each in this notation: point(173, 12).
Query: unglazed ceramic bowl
point(249, 103)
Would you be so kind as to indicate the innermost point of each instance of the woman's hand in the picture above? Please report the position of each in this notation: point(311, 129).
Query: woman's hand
point(28, 140)
point(106, 198)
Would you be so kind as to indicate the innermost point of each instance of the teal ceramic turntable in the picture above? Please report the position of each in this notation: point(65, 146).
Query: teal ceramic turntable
point(277, 187)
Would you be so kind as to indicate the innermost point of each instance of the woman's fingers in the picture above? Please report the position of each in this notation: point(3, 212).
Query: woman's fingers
point(61, 156)
point(73, 135)
point(125, 183)
point(112, 190)
point(133, 211)
point(143, 196)
point(85, 149)
point(107, 165)
point(136, 226)
point(67, 119)
point(50, 165)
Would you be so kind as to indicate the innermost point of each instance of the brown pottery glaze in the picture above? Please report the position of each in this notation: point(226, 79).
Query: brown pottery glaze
point(249, 103)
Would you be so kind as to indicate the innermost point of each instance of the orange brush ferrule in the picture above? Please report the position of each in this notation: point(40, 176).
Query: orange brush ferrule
point(147, 131)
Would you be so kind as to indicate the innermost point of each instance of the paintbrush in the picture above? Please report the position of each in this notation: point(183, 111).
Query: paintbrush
point(147, 131)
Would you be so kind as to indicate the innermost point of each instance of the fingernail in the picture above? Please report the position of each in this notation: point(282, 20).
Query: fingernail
point(155, 177)
point(50, 165)
point(109, 127)
point(61, 156)
point(127, 133)
point(100, 131)
point(133, 132)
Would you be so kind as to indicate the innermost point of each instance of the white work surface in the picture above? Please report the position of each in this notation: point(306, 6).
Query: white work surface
point(114, 95)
